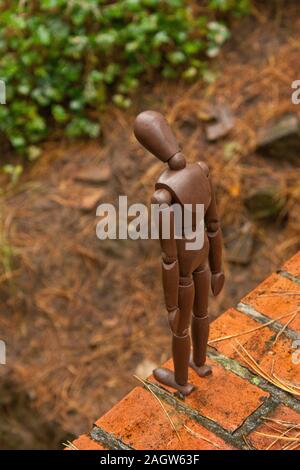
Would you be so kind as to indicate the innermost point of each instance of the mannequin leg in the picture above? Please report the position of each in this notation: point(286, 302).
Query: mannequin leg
point(200, 323)
point(181, 343)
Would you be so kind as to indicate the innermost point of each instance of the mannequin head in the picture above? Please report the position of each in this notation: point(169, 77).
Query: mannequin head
point(154, 133)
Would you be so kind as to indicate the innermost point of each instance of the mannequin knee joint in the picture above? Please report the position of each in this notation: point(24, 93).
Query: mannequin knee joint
point(174, 322)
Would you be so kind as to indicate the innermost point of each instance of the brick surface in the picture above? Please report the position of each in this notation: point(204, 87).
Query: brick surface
point(233, 322)
point(292, 266)
point(278, 356)
point(275, 297)
point(140, 422)
point(281, 361)
point(223, 396)
point(84, 442)
point(282, 416)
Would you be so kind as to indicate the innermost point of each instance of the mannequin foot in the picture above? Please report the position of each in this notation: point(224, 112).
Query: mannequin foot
point(202, 371)
point(166, 377)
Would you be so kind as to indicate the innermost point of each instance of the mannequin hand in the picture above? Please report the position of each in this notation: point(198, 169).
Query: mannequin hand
point(217, 283)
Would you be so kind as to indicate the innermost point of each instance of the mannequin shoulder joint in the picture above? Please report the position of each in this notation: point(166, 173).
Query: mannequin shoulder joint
point(161, 196)
point(204, 167)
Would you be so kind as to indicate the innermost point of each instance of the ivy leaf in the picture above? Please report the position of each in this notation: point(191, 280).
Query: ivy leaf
point(59, 113)
point(43, 35)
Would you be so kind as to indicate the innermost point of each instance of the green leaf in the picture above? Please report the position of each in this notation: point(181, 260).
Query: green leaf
point(106, 39)
point(63, 60)
point(17, 141)
point(177, 57)
point(59, 113)
point(43, 35)
point(190, 73)
point(80, 126)
point(160, 38)
point(14, 171)
point(121, 101)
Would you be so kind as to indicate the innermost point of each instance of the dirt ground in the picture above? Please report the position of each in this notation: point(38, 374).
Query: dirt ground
point(81, 316)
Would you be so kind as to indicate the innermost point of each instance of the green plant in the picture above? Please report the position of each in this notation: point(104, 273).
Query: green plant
point(14, 171)
point(7, 251)
point(62, 60)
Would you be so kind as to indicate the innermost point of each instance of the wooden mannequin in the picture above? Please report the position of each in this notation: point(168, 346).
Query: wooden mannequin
point(186, 274)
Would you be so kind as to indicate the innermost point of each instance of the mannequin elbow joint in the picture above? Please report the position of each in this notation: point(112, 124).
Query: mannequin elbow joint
point(213, 228)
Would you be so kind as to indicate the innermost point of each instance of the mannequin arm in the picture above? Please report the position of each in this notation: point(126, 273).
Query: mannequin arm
point(214, 234)
point(170, 268)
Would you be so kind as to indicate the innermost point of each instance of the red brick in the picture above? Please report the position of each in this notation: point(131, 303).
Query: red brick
point(84, 442)
point(292, 266)
point(140, 422)
point(275, 297)
point(233, 322)
point(223, 396)
point(273, 359)
point(281, 413)
point(280, 361)
point(261, 344)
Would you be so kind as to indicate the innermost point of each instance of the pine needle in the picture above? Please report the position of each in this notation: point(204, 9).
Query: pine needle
point(256, 367)
point(70, 445)
point(286, 382)
point(279, 421)
point(285, 327)
point(291, 445)
point(284, 433)
point(198, 436)
point(161, 404)
point(250, 447)
point(252, 330)
point(285, 438)
point(280, 294)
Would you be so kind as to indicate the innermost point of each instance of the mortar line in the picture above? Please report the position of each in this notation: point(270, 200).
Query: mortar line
point(288, 275)
point(254, 420)
point(235, 439)
point(190, 412)
point(242, 371)
point(251, 312)
point(108, 439)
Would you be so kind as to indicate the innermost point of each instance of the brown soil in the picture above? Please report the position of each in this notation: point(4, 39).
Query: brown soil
point(80, 315)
